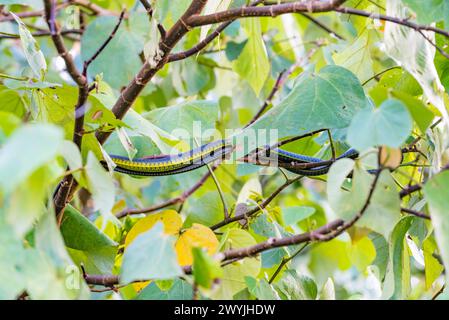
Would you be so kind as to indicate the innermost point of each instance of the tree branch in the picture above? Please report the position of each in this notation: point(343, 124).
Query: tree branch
point(209, 38)
point(253, 211)
point(178, 200)
point(104, 45)
point(264, 11)
point(400, 21)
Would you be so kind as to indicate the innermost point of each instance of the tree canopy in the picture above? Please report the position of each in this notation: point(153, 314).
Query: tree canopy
point(349, 97)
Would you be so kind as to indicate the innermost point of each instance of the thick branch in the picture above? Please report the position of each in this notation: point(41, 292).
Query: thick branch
point(265, 11)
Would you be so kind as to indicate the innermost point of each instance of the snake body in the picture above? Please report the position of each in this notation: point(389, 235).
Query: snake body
point(169, 164)
point(161, 165)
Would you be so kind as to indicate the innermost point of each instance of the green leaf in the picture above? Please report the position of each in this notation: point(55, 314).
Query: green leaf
point(27, 203)
point(32, 3)
point(206, 209)
point(261, 289)
point(327, 99)
point(81, 234)
point(398, 275)
point(328, 290)
point(422, 116)
point(388, 125)
point(294, 286)
point(430, 10)
point(150, 256)
point(433, 268)
point(33, 54)
point(384, 209)
point(357, 56)
point(119, 61)
point(59, 278)
point(294, 214)
point(206, 270)
point(234, 274)
point(87, 244)
point(436, 196)
point(12, 102)
point(253, 64)
point(194, 117)
point(180, 290)
point(193, 75)
point(100, 185)
point(414, 53)
point(28, 148)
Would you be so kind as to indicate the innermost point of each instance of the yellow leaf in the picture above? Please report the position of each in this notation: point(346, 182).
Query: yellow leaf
point(390, 157)
point(195, 236)
point(170, 218)
point(172, 225)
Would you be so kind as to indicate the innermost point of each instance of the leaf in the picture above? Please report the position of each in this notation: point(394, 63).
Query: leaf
point(422, 116)
point(47, 282)
point(328, 290)
point(390, 158)
point(430, 11)
point(151, 49)
point(261, 289)
point(253, 64)
point(12, 102)
point(26, 204)
point(327, 99)
point(170, 219)
point(71, 154)
point(234, 274)
point(101, 185)
point(193, 76)
point(411, 50)
point(388, 125)
point(357, 56)
point(163, 140)
point(206, 270)
point(212, 7)
point(28, 148)
point(399, 265)
point(33, 54)
point(433, 268)
point(435, 192)
point(190, 118)
point(180, 290)
point(32, 3)
point(294, 286)
point(251, 188)
point(361, 253)
point(150, 256)
point(197, 236)
point(124, 48)
point(206, 209)
point(81, 234)
point(294, 214)
point(384, 209)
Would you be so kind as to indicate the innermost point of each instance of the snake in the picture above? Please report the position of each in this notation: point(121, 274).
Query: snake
point(169, 164)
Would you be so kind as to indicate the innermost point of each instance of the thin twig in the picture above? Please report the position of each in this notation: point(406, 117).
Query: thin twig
point(177, 200)
point(322, 25)
point(104, 45)
point(416, 213)
point(285, 261)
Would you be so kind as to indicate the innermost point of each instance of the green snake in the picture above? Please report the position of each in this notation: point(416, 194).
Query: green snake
point(161, 165)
